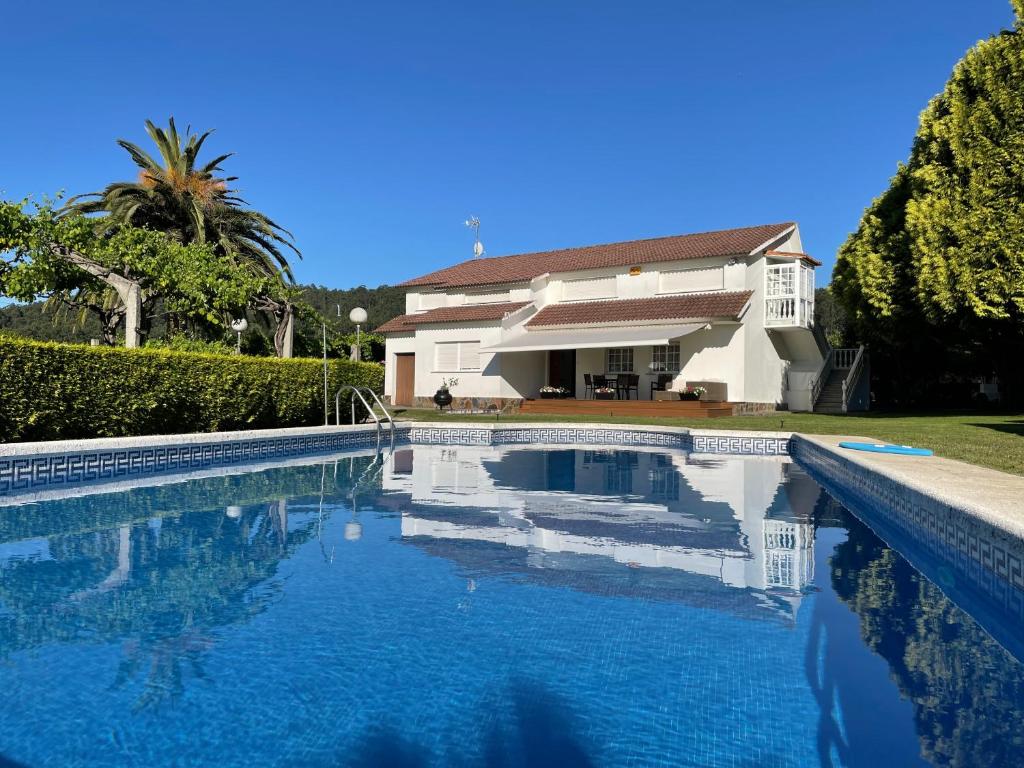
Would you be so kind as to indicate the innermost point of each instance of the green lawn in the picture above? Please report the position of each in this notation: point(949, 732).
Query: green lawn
point(984, 438)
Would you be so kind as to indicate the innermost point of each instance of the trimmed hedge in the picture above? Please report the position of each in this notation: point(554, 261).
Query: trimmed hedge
point(51, 391)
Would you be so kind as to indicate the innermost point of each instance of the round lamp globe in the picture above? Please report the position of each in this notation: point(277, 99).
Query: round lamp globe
point(357, 315)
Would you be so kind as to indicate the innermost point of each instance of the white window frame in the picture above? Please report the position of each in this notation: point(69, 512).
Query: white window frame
point(622, 357)
point(467, 356)
point(670, 358)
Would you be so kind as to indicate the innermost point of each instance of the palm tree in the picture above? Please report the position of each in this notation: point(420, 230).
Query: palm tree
point(190, 202)
point(193, 203)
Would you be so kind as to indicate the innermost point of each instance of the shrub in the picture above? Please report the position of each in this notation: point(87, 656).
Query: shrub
point(51, 391)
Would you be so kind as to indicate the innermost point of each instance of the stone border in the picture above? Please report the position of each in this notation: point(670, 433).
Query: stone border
point(31, 467)
point(27, 467)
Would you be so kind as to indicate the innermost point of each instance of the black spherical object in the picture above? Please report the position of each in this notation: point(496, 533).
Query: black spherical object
point(442, 397)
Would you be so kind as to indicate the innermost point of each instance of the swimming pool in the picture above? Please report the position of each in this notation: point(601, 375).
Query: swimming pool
point(493, 605)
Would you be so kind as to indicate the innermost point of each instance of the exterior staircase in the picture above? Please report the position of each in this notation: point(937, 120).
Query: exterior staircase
point(839, 386)
point(831, 398)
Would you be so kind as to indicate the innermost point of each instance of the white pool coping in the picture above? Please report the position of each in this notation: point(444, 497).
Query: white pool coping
point(994, 497)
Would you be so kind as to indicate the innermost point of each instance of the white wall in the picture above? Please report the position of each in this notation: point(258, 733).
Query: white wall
point(517, 375)
point(395, 344)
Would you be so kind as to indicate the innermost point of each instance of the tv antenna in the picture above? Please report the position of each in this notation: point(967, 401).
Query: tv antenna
point(478, 248)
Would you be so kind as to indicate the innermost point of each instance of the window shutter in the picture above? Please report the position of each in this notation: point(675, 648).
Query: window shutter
point(469, 356)
point(487, 298)
point(589, 288)
point(692, 280)
point(432, 300)
point(446, 356)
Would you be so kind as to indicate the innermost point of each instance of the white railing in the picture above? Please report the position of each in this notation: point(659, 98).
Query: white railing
point(789, 295)
point(846, 357)
point(851, 377)
point(824, 371)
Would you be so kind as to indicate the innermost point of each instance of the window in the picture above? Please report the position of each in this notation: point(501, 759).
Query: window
point(665, 358)
point(432, 300)
point(450, 356)
point(620, 360)
point(487, 298)
point(691, 280)
point(589, 288)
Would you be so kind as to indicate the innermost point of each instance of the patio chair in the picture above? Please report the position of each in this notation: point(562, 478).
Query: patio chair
point(588, 385)
point(626, 383)
point(600, 380)
point(661, 383)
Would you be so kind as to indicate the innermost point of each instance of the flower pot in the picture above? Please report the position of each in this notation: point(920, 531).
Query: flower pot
point(604, 395)
point(689, 396)
point(549, 395)
point(442, 398)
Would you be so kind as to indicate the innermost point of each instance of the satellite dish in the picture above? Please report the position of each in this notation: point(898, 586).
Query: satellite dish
point(478, 249)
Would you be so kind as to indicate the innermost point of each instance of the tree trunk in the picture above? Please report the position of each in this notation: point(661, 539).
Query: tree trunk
point(284, 335)
point(110, 321)
point(132, 298)
point(129, 291)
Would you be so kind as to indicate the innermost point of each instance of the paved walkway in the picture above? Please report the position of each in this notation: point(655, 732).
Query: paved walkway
point(994, 496)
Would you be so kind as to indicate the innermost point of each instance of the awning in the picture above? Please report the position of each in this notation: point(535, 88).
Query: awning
point(593, 338)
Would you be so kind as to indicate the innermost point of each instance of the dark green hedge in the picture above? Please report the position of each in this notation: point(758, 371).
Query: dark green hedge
point(51, 391)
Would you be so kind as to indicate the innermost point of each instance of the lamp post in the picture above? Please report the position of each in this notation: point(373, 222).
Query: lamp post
point(357, 316)
point(238, 326)
point(326, 416)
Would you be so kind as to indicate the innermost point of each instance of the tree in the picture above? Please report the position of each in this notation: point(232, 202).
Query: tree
point(937, 262)
point(70, 255)
point(191, 203)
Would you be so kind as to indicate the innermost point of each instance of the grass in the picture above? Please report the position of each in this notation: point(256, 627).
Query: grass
point(984, 438)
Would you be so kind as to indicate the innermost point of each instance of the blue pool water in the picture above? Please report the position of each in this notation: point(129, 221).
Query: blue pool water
point(473, 606)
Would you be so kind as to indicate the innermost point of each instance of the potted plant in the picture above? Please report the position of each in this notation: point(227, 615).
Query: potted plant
point(443, 396)
point(692, 393)
point(549, 393)
point(604, 393)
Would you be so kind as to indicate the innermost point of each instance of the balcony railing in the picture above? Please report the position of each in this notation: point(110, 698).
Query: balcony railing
point(789, 295)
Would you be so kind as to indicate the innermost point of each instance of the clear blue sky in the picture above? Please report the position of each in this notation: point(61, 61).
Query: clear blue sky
point(372, 129)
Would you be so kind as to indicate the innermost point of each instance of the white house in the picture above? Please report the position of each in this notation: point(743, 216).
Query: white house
point(732, 310)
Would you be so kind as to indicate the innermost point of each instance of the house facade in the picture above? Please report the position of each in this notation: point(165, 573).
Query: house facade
point(731, 310)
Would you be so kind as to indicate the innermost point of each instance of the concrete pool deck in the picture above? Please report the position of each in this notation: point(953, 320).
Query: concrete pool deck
point(992, 496)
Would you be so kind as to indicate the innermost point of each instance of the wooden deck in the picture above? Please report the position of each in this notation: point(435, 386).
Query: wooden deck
point(688, 409)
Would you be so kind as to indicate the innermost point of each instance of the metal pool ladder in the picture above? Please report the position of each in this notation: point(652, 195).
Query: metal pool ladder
point(384, 417)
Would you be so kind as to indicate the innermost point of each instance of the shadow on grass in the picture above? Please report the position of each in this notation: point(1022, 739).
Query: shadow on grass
point(1008, 427)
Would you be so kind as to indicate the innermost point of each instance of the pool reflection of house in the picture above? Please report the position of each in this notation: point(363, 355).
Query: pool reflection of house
point(740, 523)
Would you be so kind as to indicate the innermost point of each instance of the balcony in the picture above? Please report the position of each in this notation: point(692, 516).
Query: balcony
point(789, 295)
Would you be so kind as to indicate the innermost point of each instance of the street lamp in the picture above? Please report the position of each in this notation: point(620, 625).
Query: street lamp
point(238, 326)
point(357, 316)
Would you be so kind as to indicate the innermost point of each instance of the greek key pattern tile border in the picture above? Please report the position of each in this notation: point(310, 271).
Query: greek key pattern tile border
point(754, 446)
point(27, 473)
point(990, 558)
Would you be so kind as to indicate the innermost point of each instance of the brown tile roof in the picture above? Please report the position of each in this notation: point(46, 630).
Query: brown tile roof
point(526, 266)
point(795, 255)
point(695, 306)
point(398, 324)
point(461, 314)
